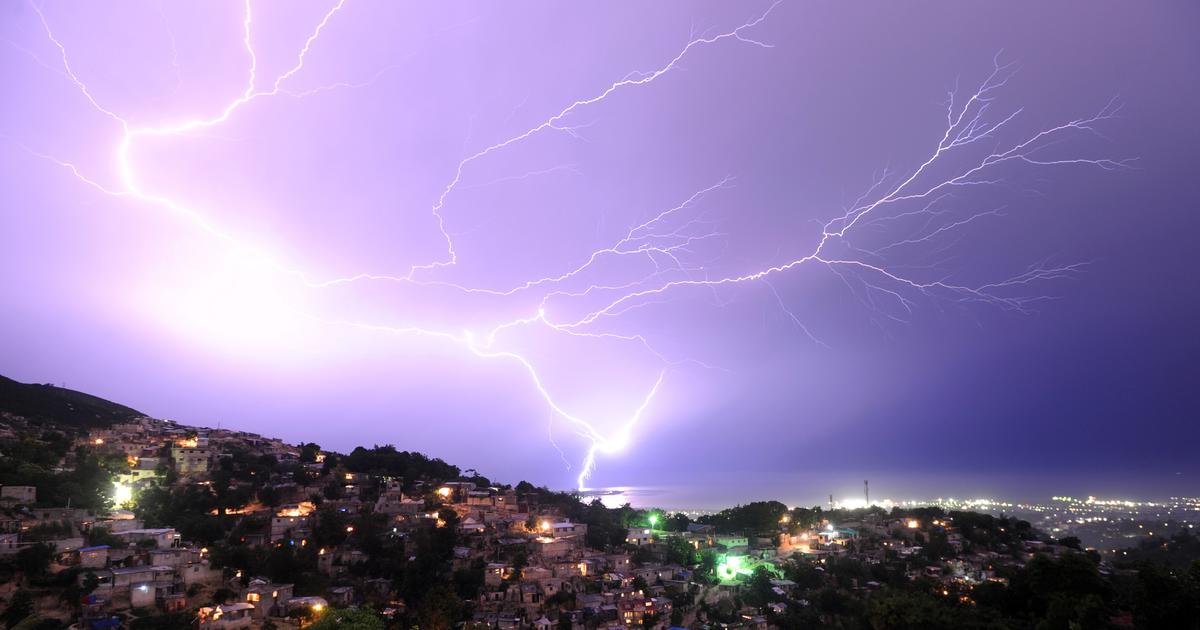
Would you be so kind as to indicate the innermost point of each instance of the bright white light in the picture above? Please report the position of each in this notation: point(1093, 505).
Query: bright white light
point(122, 493)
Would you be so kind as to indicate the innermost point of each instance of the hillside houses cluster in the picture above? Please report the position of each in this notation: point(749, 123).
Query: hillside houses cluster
point(532, 565)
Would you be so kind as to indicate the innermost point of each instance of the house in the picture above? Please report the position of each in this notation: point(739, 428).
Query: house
point(199, 573)
point(315, 604)
point(290, 527)
point(551, 547)
point(633, 608)
point(393, 502)
point(267, 598)
point(72, 515)
point(639, 536)
point(127, 577)
point(227, 616)
point(9, 544)
point(162, 537)
point(564, 529)
point(471, 526)
point(144, 586)
point(94, 557)
point(174, 556)
point(190, 461)
point(341, 596)
point(732, 542)
point(495, 573)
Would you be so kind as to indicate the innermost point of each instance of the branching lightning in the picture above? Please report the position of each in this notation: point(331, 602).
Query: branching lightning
point(911, 210)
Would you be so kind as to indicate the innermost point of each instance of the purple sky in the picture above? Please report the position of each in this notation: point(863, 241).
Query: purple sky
point(487, 232)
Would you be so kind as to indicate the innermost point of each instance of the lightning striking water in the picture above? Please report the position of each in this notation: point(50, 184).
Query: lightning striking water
point(664, 254)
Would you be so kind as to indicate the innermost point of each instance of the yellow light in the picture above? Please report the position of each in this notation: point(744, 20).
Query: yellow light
point(98, 441)
point(545, 526)
point(443, 492)
point(913, 523)
point(318, 607)
point(349, 529)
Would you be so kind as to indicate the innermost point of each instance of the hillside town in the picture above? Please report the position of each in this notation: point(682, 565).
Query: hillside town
point(177, 526)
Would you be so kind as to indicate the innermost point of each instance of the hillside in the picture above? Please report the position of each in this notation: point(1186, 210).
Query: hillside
point(60, 405)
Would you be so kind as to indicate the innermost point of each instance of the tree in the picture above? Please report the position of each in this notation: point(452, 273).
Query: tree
point(680, 552)
point(347, 619)
point(100, 535)
point(1162, 601)
point(896, 610)
point(269, 495)
point(1072, 542)
point(519, 562)
point(34, 560)
point(309, 452)
point(222, 595)
point(759, 516)
point(19, 608)
point(439, 609)
point(677, 522)
point(758, 591)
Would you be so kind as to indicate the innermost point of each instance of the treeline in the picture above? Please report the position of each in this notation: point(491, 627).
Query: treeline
point(386, 460)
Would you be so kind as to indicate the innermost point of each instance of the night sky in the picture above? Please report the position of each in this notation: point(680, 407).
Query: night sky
point(712, 251)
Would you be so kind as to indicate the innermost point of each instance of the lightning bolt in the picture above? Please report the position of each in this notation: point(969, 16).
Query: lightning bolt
point(668, 244)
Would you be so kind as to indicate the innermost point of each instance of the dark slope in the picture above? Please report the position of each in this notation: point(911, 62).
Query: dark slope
point(59, 405)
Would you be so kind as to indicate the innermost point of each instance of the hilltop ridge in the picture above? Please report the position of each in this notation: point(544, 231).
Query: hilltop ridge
point(47, 402)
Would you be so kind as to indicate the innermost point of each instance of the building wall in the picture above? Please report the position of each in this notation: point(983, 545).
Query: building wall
point(20, 494)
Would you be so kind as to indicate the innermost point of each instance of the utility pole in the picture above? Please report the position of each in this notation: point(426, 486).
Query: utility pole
point(866, 493)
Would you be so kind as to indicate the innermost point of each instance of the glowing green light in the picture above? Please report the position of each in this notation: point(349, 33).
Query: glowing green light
point(653, 520)
point(732, 566)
